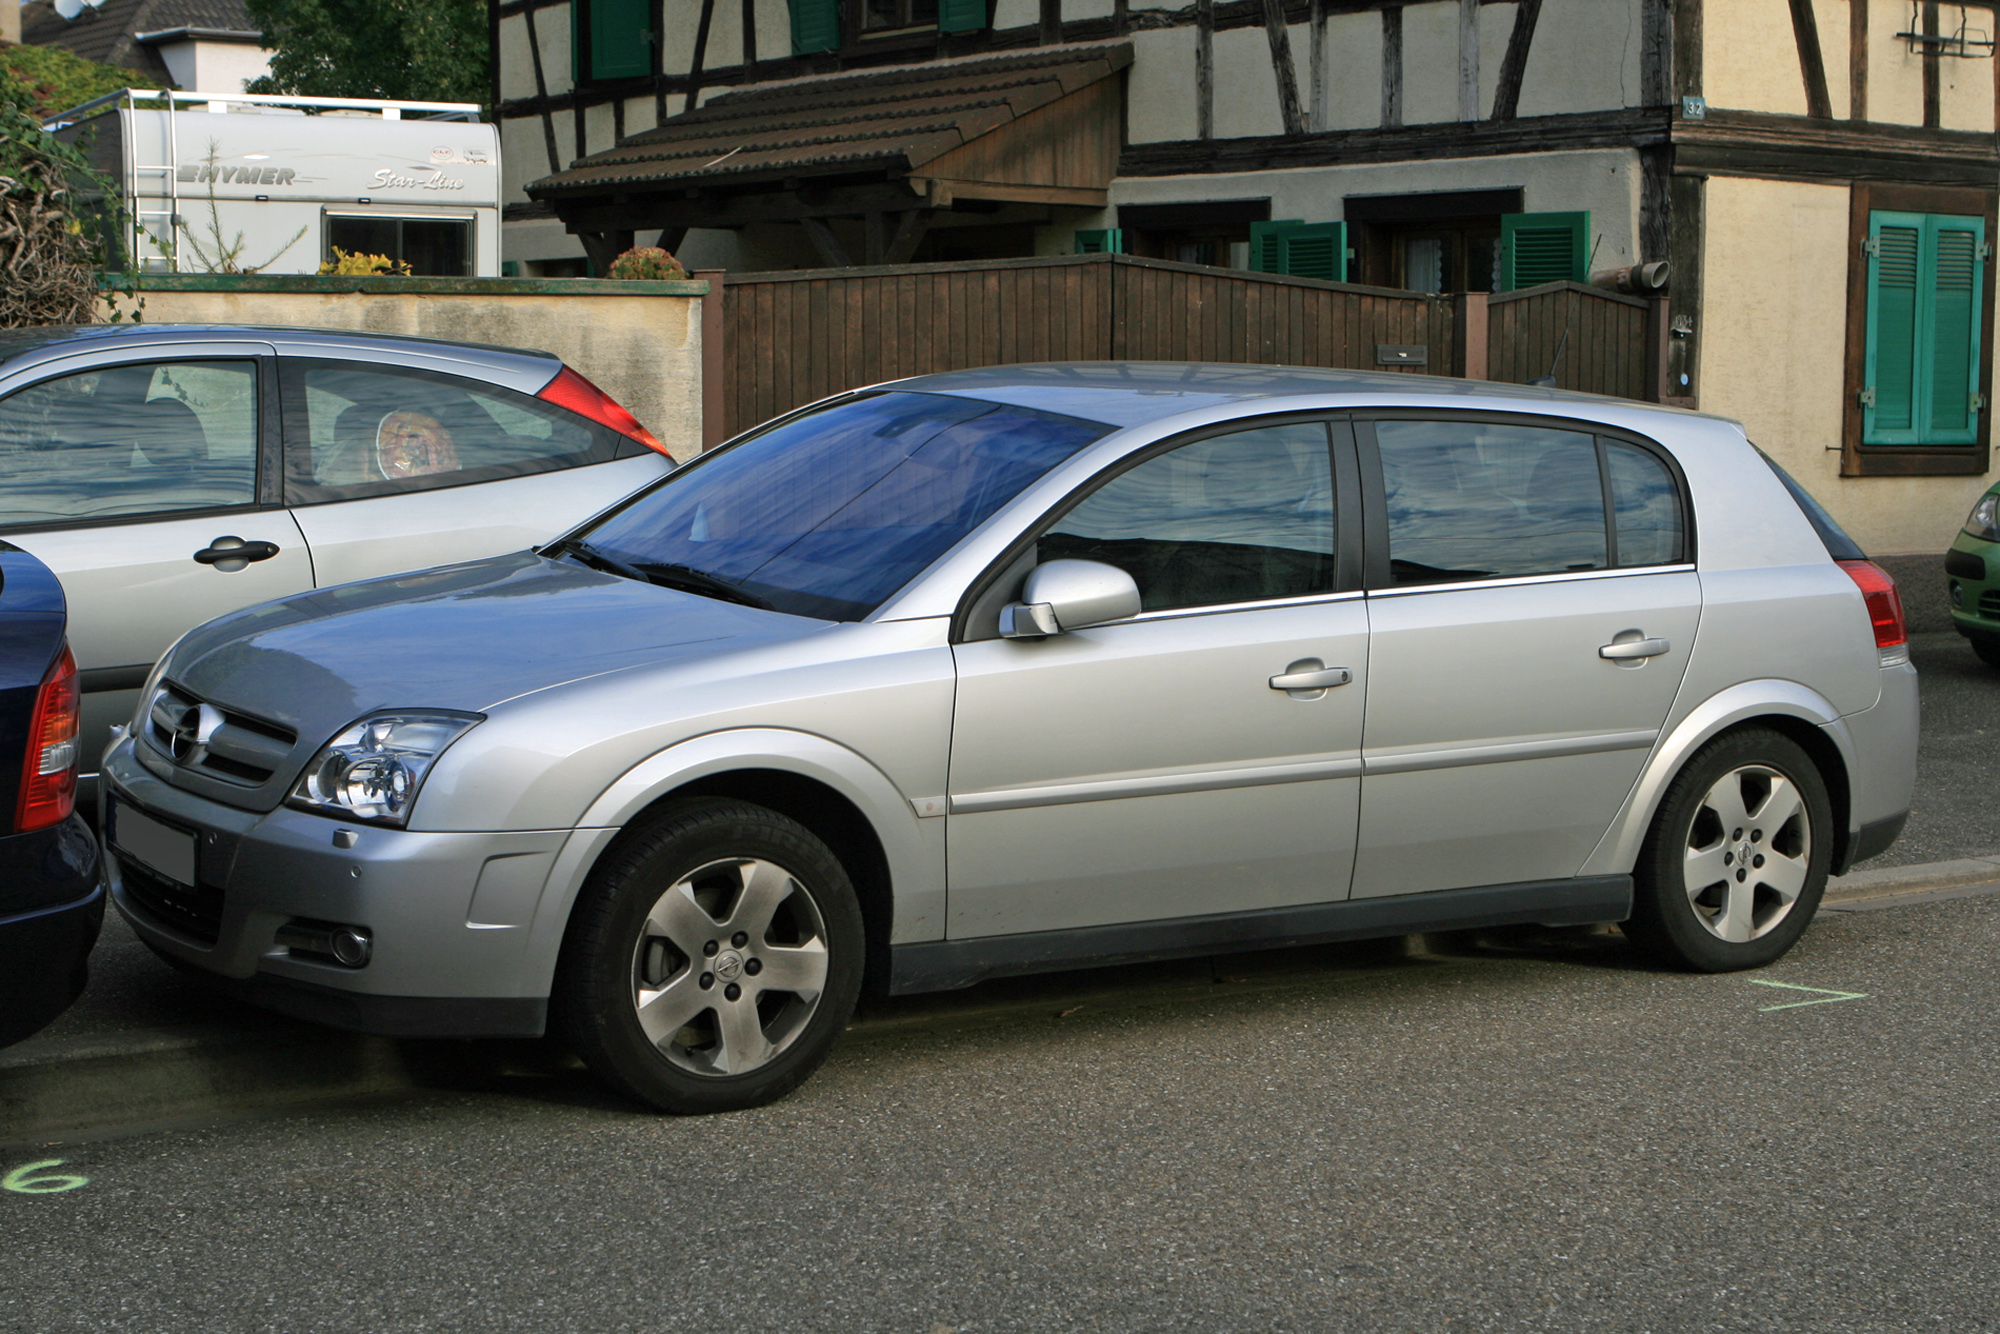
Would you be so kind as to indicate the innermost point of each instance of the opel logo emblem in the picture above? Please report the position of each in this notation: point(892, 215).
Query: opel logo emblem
point(192, 732)
point(729, 965)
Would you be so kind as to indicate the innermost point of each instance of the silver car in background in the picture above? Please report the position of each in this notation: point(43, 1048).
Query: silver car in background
point(171, 473)
point(1020, 669)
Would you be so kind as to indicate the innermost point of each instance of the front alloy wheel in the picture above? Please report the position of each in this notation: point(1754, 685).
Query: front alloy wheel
point(712, 960)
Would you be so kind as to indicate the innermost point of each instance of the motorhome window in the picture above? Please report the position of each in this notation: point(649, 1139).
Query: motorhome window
point(432, 247)
point(145, 438)
point(354, 430)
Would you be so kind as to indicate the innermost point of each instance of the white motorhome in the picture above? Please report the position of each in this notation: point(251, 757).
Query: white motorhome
point(219, 182)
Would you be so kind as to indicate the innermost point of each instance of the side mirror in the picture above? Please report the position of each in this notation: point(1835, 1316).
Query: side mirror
point(1062, 595)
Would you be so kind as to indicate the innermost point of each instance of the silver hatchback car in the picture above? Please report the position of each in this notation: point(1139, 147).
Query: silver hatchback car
point(1022, 669)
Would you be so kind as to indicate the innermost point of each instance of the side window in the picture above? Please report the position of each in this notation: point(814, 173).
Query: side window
point(146, 438)
point(355, 430)
point(1232, 518)
point(1645, 507)
point(1479, 500)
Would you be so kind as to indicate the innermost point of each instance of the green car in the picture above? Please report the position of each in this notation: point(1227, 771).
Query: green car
point(1973, 566)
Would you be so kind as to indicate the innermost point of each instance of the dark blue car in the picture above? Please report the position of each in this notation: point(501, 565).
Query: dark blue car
point(51, 892)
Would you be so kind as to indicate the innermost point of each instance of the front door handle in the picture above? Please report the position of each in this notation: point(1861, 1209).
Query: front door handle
point(1625, 650)
point(230, 554)
point(1321, 678)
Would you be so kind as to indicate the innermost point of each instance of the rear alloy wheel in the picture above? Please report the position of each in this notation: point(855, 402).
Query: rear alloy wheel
point(1735, 864)
point(713, 961)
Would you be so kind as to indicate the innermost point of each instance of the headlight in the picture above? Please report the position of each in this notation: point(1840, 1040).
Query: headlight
point(372, 770)
point(142, 713)
point(1984, 521)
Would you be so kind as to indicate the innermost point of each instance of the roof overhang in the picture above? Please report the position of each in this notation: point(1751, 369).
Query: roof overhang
point(168, 36)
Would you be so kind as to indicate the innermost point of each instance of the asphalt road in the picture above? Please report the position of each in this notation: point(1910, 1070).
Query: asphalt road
point(1955, 812)
point(1533, 1134)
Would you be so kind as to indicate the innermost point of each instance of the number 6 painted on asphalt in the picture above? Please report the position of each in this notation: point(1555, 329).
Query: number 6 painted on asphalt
point(22, 1180)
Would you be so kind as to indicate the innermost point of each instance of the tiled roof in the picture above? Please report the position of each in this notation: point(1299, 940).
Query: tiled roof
point(868, 122)
point(105, 34)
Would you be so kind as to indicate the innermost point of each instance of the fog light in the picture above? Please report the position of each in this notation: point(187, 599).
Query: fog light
point(1957, 594)
point(327, 942)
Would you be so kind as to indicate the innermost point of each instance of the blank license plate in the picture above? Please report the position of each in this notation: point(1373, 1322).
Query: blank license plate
point(162, 848)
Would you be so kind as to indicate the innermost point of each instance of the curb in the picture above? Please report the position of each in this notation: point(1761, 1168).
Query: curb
point(139, 1078)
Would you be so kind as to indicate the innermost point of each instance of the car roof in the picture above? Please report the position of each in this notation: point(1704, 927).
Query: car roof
point(1131, 393)
point(50, 339)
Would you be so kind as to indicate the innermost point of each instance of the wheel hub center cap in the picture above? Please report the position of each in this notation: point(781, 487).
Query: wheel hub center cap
point(728, 966)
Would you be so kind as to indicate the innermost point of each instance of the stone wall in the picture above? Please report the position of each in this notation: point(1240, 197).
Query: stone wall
point(640, 342)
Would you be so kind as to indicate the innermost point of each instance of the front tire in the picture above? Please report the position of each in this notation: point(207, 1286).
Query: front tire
point(1736, 861)
point(712, 960)
point(1988, 649)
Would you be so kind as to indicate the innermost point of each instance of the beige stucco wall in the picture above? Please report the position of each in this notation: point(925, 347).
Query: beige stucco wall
point(645, 351)
point(1430, 62)
point(1773, 356)
point(1246, 87)
point(1353, 71)
point(1750, 60)
point(1585, 57)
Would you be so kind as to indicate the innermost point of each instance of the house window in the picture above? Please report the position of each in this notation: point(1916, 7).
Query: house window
point(1918, 356)
point(818, 25)
point(1207, 231)
point(886, 16)
point(611, 39)
point(1443, 241)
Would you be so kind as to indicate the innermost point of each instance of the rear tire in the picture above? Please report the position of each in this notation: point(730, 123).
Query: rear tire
point(1736, 861)
point(712, 960)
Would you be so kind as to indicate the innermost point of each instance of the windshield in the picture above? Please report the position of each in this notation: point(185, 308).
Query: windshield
point(827, 514)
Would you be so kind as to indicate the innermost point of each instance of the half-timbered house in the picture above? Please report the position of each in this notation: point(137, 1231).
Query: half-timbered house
point(1820, 175)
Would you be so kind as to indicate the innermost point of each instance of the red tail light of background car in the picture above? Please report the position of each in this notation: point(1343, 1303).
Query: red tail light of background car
point(48, 774)
point(572, 391)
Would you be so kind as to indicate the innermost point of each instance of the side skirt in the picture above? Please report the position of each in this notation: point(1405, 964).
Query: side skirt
point(942, 965)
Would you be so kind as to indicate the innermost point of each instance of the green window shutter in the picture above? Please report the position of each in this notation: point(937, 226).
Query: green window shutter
point(1266, 256)
point(961, 15)
point(815, 26)
point(1538, 248)
point(621, 39)
point(1895, 266)
point(1107, 241)
point(1316, 250)
point(1952, 325)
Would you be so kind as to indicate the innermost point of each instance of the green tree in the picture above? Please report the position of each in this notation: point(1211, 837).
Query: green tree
point(404, 50)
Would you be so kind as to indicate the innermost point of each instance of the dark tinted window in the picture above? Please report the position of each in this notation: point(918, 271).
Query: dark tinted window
point(352, 429)
point(1838, 544)
point(1233, 518)
point(1480, 500)
point(828, 514)
point(133, 439)
point(1646, 505)
point(432, 247)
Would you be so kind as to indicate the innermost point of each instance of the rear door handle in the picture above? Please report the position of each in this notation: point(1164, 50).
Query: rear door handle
point(233, 553)
point(1322, 679)
point(1626, 650)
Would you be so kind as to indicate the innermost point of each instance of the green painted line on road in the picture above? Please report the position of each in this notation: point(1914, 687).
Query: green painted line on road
point(1829, 996)
point(32, 1179)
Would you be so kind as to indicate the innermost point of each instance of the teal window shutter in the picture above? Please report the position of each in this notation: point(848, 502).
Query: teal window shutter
point(1266, 256)
point(961, 15)
point(1107, 241)
point(1301, 249)
point(1926, 286)
point(621, 39)
point(815, 26)
point(1538, 248)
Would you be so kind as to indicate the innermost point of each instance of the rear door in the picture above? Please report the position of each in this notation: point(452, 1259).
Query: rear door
point(392, 468)
point(135, 478)
point(1532, 612)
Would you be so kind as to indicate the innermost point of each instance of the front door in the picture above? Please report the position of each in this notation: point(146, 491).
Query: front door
point(1531, 628)
point(1149, 769)
point(135, 481)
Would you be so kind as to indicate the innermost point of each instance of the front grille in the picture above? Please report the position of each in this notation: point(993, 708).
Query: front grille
point(193, 912)
point(221, 743)
point(1989, 602)
point(1965, 565)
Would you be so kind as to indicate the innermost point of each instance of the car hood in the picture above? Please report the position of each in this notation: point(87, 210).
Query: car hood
point(458, 637)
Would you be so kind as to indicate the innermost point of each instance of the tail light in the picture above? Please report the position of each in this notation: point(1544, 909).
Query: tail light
point(48, 773)
point(1885, 608)
point(572, 391)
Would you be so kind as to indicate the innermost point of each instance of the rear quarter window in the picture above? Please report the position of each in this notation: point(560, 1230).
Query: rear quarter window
point(1838, 544)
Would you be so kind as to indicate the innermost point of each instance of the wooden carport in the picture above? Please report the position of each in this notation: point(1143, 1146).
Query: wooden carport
point(894, 148)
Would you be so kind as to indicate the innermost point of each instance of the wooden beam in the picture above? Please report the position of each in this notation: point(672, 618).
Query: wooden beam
point(1316, 115)
point(1812, 66)
point(1392, 66)
point(942, 192)
point(1687, 49)
point(1282, 68)
point(1050, 25)
point(1857, 59)
point(700, 57)
point(1204, 69)
point(1656, 53)
point(1932, 118)
point(748, 23)
point(829, 246)
point(1468, 59)
point(1507, 95)
point(542, 93)
point(909, 233)
point(1470, 357)
point(714, 365)
point(1802, 148)
point(874, 238)
point(1656, 170)
point(671, 238)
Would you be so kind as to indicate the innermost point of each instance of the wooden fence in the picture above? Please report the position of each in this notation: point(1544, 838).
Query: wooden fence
point(1586, 338)
point(794, 337)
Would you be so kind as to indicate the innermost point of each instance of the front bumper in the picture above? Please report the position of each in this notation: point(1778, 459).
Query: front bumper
point(1972, 582)
point(51, 909)
point(448, 914)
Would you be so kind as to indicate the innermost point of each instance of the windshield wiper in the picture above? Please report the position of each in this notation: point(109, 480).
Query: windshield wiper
point(690, 580)
point(586, 554)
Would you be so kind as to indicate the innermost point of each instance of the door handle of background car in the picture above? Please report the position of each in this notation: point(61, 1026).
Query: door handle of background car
point(1322, 679)
point(233, 553)
point(1626, 650)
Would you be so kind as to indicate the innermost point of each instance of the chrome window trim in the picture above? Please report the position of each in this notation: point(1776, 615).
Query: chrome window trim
point(1541, 748)
point(1218, 608)
point(1346, 765)
point(1527, 580)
